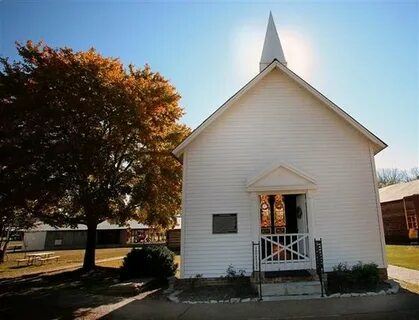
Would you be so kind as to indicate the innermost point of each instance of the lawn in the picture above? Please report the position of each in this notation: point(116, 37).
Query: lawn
point(177, 261)
point(403, 256)
point(68, 258)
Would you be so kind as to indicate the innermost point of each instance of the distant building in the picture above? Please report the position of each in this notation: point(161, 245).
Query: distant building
point(400, 210)
point(46, 237)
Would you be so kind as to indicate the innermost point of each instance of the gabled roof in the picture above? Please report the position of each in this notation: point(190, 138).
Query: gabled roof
point(378, 143)
point(399, 191)
point(280, 176)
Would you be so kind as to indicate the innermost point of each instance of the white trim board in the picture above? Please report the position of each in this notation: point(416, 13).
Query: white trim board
point(276, 166)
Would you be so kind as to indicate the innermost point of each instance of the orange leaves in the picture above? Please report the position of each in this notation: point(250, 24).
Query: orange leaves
point(103, 132)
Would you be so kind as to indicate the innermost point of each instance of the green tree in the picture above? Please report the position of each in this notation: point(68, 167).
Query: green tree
point(97, 138)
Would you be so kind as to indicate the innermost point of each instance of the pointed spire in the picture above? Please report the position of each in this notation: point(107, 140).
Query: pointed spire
point(272, 48)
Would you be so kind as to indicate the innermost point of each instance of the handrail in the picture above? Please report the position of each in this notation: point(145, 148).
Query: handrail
point(318, 247)
point(256, 265)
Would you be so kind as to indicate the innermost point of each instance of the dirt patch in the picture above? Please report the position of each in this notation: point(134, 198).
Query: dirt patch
point(220, 292)
point(380, 286)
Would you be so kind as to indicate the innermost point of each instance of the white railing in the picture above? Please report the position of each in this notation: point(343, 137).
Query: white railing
point(285, 251)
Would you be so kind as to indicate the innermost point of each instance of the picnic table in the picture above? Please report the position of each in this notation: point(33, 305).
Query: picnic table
point(38, 257)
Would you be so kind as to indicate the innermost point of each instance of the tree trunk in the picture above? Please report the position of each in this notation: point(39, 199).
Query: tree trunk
point(3, 245)
point(2, 254)
point(89, 255)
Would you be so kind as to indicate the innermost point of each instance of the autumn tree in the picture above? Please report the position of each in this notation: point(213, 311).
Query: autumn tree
point(97, 138)
point(22, 183)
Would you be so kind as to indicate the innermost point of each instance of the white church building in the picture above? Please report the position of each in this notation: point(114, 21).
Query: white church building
point(279, 165)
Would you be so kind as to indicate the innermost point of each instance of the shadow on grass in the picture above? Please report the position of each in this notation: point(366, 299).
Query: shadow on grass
point(18, 267)
point(63, 295)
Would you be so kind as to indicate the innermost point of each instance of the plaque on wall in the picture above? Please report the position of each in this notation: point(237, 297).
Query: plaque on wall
point(224, 223)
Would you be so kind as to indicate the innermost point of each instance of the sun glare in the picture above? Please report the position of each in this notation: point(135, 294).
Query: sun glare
point(247, 47)
point(298, 53)
point(247, 43)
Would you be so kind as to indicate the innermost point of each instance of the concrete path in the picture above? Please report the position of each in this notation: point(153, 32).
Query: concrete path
point(400, 306)
point(403, 274)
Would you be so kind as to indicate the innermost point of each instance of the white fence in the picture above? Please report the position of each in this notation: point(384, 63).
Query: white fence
point(286, 251)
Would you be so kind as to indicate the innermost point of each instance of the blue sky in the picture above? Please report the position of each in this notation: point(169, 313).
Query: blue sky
point(362, 55)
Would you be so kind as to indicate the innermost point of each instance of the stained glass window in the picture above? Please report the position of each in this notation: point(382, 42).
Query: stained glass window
point(265, 211)
point(279, 210)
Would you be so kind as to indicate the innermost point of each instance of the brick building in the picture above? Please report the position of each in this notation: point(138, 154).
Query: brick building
point(400, 210)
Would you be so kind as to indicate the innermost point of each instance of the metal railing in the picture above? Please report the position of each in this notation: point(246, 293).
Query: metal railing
point(257, 266)
point(318, 248)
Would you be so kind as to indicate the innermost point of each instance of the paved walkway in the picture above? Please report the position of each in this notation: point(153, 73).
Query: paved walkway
point(403, 274)
point(399, 306)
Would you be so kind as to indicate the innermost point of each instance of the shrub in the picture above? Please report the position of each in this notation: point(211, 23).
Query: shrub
point(359, 277)
point(366, 274)
point(149, 261)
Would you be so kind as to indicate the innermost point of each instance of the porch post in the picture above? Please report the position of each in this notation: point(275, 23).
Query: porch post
point(254, 217)
point(311, 227)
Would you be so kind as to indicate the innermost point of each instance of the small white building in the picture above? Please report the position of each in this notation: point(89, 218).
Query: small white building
point(280, 165)
point(45, 237)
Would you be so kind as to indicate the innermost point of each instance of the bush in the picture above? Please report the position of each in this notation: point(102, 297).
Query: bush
point(359, 277)
point(149, 261)
point(366, 274)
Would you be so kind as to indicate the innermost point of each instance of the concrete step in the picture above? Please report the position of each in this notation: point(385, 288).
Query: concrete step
point(291, 288)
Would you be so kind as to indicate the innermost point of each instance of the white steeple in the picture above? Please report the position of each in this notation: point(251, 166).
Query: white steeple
point(272, 48)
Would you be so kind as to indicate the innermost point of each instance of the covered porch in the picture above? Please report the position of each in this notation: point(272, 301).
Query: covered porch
point(282, 219)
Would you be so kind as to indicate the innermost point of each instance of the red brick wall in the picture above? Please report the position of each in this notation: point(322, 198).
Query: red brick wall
point(394, 219)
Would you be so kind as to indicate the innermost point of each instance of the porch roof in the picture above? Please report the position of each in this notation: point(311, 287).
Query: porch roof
point(280, 177)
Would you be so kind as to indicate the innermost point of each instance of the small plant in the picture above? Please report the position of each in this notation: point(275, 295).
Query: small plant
point(149, 261)
point(341, 267)
point(233, 274)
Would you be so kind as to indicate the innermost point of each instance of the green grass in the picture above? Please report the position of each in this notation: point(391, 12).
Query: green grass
point(116, 264)
point(67, 258)
point(177, 260)
point(403, 256)
point(409, 287)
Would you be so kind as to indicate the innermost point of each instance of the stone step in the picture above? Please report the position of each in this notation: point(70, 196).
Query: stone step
point(308, 278)
point(291, 288)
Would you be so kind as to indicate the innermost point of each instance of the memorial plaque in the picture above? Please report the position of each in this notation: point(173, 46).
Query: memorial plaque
point(224, 223)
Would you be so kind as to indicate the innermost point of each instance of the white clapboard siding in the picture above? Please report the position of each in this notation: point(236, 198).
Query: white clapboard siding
point(278, 121)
